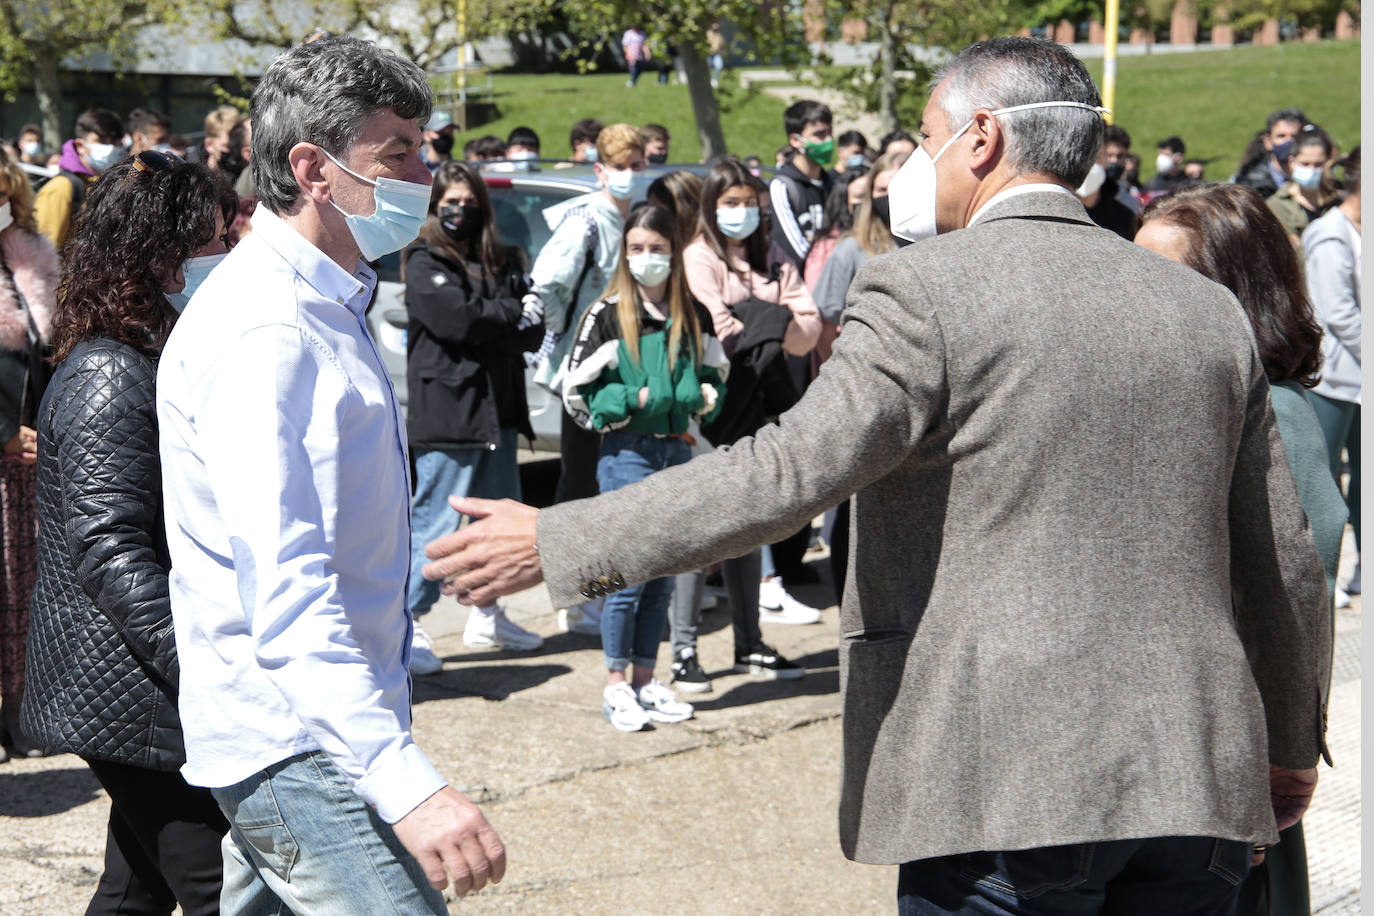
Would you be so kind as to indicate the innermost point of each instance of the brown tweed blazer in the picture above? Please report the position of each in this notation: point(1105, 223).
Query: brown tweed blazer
point(1067, 470)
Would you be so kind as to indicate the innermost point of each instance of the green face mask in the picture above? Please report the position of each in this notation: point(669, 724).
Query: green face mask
point(823, 154)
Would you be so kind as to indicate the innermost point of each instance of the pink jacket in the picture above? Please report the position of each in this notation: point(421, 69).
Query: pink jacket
point(717, 287)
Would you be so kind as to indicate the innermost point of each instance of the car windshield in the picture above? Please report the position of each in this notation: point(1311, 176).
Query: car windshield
point(519, 219)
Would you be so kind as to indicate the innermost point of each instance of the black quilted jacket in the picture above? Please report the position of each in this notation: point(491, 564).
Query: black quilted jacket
point(102, 663)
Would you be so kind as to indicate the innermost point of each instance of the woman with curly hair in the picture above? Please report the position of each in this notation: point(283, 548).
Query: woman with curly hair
point(1226, 233)
point(103, 670)
point(28, 292)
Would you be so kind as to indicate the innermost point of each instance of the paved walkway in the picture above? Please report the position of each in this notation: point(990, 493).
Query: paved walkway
point(733, 812)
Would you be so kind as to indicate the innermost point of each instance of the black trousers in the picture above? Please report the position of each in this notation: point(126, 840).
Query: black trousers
point(579, 451)
point(162, 846)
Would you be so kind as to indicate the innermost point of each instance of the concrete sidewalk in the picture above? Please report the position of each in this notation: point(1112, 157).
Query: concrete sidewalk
point(732, 812)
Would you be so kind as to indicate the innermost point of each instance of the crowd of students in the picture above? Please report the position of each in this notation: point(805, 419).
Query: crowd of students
point(671, 317)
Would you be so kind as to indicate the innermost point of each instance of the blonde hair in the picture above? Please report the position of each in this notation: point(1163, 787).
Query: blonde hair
point(223, 119)
point(872, 234)
point(14, 183)
point(615, 143)
point(682, 313)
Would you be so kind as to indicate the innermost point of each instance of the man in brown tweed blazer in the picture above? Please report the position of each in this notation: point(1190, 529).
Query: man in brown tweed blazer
point(1084, 633)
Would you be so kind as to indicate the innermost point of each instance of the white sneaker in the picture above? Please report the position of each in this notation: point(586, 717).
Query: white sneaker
point(662, 704)
point(621, 708)
point(1342, 598)
point(422, 657)
point(584, 618)
point(776, 606)
point(497, 631)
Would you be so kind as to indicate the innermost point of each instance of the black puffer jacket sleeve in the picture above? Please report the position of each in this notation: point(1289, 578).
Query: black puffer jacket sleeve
point(108, 455)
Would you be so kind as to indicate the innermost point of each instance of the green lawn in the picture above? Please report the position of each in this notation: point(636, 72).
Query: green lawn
point(1214, 100)
point(551, 103)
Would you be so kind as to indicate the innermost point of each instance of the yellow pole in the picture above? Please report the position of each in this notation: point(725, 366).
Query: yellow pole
point(462, 60)
point(1112, 26)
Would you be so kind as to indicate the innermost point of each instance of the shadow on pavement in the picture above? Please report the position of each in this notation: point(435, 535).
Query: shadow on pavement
point(490, 682)
point(46, 792)
point(822, 677)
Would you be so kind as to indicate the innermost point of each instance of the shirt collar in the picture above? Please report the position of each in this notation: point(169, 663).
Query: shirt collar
point(312, 265)
point(1017, 191)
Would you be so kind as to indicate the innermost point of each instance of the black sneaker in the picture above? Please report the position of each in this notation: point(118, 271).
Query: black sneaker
point(687, 674)
point(766, 662)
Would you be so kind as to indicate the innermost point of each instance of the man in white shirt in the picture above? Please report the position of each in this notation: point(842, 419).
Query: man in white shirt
point(284, 459)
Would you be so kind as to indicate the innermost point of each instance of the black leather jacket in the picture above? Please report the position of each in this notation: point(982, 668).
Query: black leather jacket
point(102, 663)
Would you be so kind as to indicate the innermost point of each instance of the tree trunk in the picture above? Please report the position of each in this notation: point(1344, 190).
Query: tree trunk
point(703, 101)
point(47, 86)
point(887, 87)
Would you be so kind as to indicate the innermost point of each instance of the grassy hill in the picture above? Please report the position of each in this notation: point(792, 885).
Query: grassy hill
point(1214, 100)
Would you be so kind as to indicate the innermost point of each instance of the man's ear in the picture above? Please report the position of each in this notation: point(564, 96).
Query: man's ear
point(306, 161)
point(988, 140)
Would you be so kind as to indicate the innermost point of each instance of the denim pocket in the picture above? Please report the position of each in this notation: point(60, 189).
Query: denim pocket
point(1029, 873)
point(1230, 860)
point(258, 826)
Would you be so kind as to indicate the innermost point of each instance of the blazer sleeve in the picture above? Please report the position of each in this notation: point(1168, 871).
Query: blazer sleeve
point(445, 304)
point(864, 414)
point(108, 455)
point(1279, 586)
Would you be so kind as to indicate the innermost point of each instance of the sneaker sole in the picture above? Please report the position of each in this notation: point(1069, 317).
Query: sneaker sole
point(482, 642)
point(767, 616)
point(786, 674)
point(667, 718)
point(626, 727)
point(692, 686)
point(425, 670)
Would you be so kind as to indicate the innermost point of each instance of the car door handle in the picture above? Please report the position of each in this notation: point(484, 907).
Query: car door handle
point(397, 318)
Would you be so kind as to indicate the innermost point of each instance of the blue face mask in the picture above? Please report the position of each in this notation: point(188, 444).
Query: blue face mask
point(591, 155)
point(401, 210)
point(103, 155)
point(624, 183)
point(737, 222)
point(855, 161)
point(195, 270)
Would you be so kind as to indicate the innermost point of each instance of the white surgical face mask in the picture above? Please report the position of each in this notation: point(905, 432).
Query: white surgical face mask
point(913, 188)
point(1307, 176)
point(1165, 164)
point(103, 155)
point(650, 268)
point(737, 223)
point(195, 270)
point(401, 210)
point(32, 148)
point(620, 182)
point(1097, 175)
point(6, 218)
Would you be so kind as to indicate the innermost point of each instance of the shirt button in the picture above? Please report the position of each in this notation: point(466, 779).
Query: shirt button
point(339, 300)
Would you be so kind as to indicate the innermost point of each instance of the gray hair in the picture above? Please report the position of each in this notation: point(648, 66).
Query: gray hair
point(324, 93)
point(1004, 72)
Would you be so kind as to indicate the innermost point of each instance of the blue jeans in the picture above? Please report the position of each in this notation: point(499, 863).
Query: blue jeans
point(632, 620)
point(301, 841)
point(1181, 876)
point(481, 473)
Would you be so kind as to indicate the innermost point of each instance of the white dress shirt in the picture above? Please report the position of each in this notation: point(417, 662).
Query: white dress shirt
point(288, 517)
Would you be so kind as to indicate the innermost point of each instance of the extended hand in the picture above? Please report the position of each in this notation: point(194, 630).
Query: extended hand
point(489, 558)
point(450, 838)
